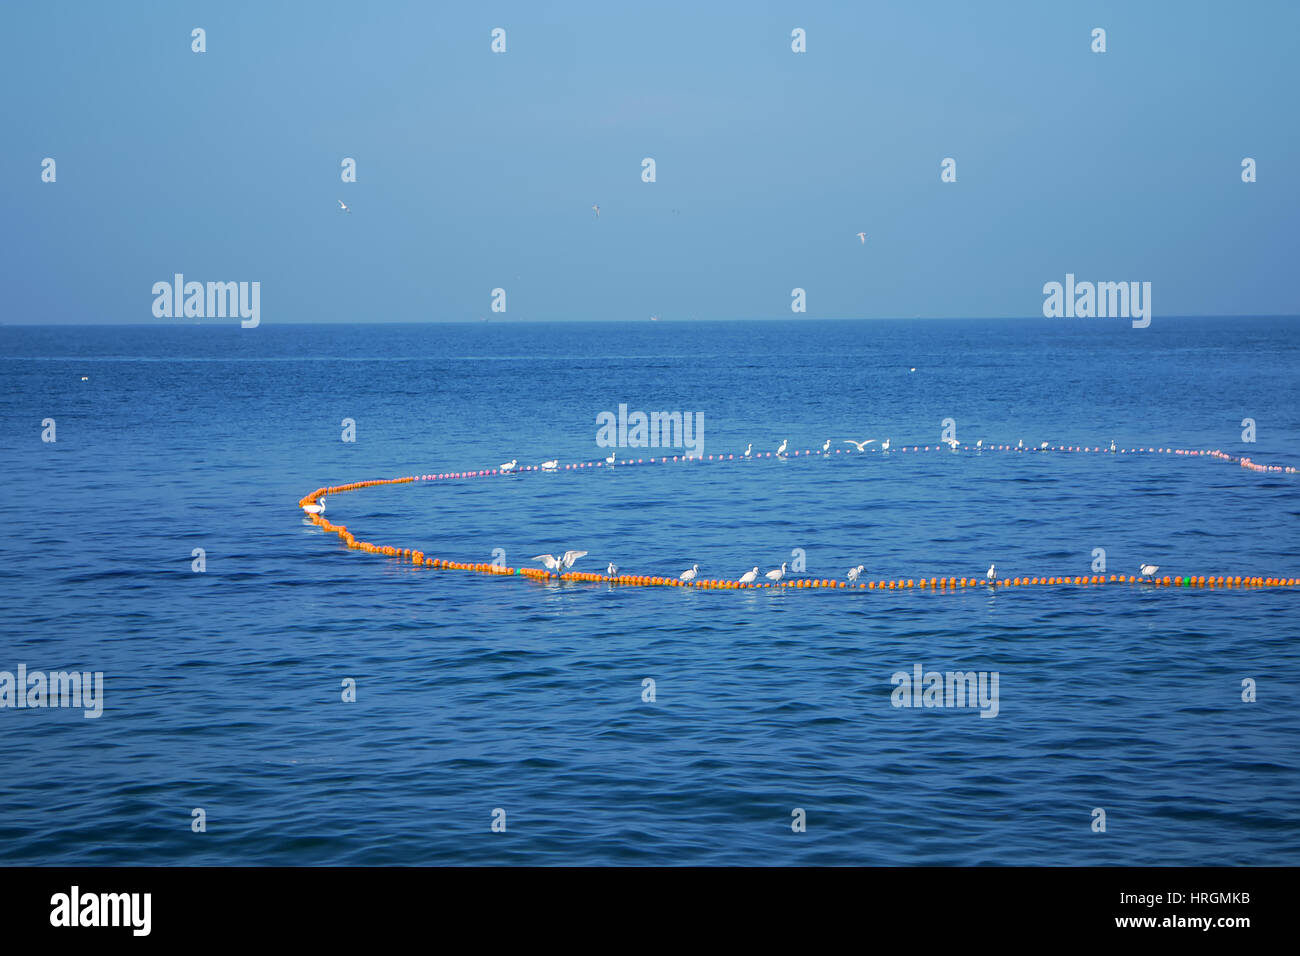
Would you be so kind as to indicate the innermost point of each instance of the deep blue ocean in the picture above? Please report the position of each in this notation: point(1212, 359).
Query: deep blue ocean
point(222, 689)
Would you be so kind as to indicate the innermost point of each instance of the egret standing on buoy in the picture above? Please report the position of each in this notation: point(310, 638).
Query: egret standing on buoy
point(749, 576)
point(826, 448)
point(1148, 570)
point(776, 574)
point(992, 574)
point(509, 466)
point(781, 451)
point(552, 465)
point(884, 446)
point(749, 450)
point(612, 570)
point(689, 573)
point(610, 460)
point(560, 564)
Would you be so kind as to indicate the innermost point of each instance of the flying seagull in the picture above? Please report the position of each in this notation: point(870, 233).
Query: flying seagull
point(343, 206)
point(597, 208)
point(559, 564)
point(862, 445)
point(863, 237)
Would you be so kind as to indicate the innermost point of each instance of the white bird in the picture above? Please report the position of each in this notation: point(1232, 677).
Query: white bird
point(776, 574)
point(884, 445)
point(826, 448)
point(1021, 443)
point(597, 208)
point(951, 443)
point(863, 236)
point(612, 570)
point(610, 460)
point(1148, 570)
point(980, 443)
point(862, 445)
point(85, 378)
point(343, 206)
point(749, 576)
point(1112, 444)
point(509, 466)
point(855, 572)
point(559, 564)
point(992, 574)
point(689, 573)
point(781, 451)
point(749, 450)
point(552, 465)
point(316, 509)
point(1043, 447)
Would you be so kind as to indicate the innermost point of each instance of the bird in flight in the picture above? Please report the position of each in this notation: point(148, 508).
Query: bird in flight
point(863, 237)
point(862, 445)
point(562, 563)
point(343, 206)
point(597, 208)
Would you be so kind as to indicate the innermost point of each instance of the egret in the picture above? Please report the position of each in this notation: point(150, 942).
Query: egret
point(855, 572)
point(1148, 570)
point(749, 450)
point(884, 445)
point(610, 460)
point(596, 207)
point(826, 448)
point(781, 451)
point(992, 574)
point(612, 570)
point(776, 574)
point(552, 465)
point(863, 237)
point(749, 576)
point(509, 466)
point(316, 509)
point(560, 564)
point(689, 573)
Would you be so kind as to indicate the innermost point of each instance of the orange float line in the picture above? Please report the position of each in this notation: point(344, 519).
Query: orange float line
point(419, 558)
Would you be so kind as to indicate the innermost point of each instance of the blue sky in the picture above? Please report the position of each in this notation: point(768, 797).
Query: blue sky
point(478, 170)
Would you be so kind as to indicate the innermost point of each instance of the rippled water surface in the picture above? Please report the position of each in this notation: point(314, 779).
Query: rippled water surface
point(222, 689)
